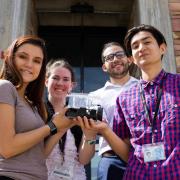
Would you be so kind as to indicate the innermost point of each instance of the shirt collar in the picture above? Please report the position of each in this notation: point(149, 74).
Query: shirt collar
point(158, 80)
point(110, 85)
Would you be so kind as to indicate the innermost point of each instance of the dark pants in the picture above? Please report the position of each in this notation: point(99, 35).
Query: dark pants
point(111, 168)
point(5, 178)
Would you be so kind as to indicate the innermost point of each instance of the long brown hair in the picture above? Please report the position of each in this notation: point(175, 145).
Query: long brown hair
point(35, 89)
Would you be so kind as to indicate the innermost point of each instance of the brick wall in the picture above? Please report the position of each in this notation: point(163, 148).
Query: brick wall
point(174, 6)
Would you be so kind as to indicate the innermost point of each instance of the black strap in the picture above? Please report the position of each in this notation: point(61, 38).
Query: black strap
point(152, 124)
point(5, 178)
point(50, 110)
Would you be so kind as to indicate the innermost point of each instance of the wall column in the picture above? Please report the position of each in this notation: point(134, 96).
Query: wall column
point(17, 17)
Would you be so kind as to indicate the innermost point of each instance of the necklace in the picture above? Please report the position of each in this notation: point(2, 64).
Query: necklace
point(27, 101)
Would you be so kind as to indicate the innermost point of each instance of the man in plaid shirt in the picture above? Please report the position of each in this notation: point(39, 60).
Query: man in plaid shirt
point(153, 130)
point(147, 117)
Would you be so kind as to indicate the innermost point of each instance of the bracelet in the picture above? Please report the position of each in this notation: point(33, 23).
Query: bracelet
point(91, 141)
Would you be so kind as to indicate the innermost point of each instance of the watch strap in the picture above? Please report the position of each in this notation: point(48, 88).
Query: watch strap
point(91, 142)
point(53, 128)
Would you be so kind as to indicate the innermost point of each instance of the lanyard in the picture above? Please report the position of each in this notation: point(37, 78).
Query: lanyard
point(50, 111)
point(146, 108)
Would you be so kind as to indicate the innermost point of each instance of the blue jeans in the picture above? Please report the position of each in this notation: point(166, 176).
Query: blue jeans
point(111, 168)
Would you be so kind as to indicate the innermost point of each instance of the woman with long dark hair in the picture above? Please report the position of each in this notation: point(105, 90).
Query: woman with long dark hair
point(22, 113)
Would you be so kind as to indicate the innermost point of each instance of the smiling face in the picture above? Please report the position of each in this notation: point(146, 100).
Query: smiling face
point(28, 61)
point(59, 83)
point(119, 66)
point(145, 50)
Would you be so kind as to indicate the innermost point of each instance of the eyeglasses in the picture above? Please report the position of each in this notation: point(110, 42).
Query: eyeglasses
point(118, 55)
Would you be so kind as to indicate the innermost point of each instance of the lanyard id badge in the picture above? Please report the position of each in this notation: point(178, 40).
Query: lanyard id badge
point(63, 172)
point(152, 124)
point(153, 152)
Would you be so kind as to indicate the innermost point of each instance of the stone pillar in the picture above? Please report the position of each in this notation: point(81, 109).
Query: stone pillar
point(17, 17)
point(5, 23)
point(23, 21)
point(156, 13)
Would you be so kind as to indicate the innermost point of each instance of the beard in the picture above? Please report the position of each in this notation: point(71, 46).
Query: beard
point(118, 73)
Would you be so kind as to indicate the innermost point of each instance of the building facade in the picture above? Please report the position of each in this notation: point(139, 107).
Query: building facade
point(87, 18)
point(77, 29)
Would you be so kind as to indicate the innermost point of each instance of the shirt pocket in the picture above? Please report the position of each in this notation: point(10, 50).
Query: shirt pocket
point(170, 120)
point(137, 124)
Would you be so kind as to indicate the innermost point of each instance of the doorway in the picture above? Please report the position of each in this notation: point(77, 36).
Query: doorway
point(81, 46)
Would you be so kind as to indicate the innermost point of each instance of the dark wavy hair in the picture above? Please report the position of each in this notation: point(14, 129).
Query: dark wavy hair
point(75, 130)
point(35, 89)
point(131, 33)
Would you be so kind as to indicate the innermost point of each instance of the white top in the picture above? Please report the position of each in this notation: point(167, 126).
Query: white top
point(108, 95)
point(70, 168)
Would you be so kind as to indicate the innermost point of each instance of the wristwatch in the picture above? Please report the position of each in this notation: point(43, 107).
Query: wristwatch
point(91, 142)
point(53, 128)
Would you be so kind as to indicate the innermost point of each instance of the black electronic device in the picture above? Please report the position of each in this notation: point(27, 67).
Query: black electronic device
point(81, 104)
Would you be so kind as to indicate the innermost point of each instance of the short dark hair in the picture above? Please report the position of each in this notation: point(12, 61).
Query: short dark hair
point(131, 32)
point(109, 44)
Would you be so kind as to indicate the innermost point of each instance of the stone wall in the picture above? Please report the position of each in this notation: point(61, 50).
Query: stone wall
point(174, 6)
point(17, 18)
point(157, 14)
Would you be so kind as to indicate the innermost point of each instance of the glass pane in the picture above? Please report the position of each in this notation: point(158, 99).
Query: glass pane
point(94, 78)
point(78, 78)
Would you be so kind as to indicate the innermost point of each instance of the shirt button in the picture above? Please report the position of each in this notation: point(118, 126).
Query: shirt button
point(153, 113)
point(155, 130)
point(151, 83)
point(155, 165)
point(175, 105)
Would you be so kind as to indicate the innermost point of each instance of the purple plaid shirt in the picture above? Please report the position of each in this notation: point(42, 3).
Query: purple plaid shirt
point(131, 122)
